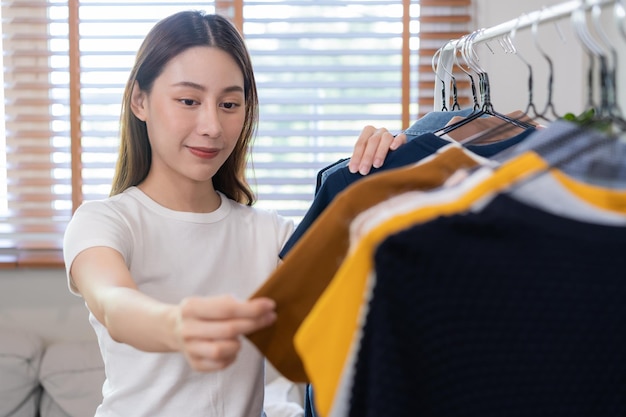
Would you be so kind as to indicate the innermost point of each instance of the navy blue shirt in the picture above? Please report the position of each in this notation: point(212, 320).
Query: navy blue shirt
point(511, 311)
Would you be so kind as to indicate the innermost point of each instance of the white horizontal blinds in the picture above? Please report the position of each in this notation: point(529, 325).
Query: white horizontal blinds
point(324, 70)
point(35, 195)
point(441, 21)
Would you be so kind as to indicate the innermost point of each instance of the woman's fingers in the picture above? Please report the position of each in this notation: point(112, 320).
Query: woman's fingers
point(225, 307)
point(223, 328)
point(207, 356)
point(209, 328)
point(372, 147)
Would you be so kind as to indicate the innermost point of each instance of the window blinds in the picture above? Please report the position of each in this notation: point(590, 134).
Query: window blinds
point(324, 69)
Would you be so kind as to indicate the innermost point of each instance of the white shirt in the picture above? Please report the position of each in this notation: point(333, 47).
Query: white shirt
point(172, 255)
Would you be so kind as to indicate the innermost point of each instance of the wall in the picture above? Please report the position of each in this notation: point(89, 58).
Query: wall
point(39, 300)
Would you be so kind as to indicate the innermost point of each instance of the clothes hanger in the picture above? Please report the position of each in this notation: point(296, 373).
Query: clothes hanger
point(619, 14)
point(444, 107)
point(619, 11)
point(594, 52)
point(469, 55)
point(550, 103)
point(610, 81)
point(607, 114)
point(507, 43)
point(455, 98)
point(455, 60)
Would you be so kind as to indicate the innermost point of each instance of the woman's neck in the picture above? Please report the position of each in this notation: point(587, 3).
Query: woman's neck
point(186, 196)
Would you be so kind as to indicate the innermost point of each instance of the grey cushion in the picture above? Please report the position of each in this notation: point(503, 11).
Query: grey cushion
point(20, 359)
point(72, 375)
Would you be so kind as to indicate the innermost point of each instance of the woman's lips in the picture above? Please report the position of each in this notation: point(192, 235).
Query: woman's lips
point(204, 153)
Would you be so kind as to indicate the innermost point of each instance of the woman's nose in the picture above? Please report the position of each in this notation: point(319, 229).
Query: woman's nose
point(209, 121)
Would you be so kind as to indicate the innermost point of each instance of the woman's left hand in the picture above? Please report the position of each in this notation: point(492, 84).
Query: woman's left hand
point(372, 147)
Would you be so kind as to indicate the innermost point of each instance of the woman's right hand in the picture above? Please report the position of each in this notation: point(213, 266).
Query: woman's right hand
point(209, 329)
point(372, 147)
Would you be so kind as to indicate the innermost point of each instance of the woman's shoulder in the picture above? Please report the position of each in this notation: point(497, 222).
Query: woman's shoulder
point(257, 211)
point(110, 205)
point(262, 217)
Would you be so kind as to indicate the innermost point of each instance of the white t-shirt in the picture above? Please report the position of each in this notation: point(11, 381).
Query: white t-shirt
point(172, 255)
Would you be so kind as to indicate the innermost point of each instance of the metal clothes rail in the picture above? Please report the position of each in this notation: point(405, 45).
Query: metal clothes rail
point(547, 14)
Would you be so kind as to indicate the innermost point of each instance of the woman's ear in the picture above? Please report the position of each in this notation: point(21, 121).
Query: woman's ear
point(138, 101)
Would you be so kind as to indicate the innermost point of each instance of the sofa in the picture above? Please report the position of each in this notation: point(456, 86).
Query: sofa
point(62, 379)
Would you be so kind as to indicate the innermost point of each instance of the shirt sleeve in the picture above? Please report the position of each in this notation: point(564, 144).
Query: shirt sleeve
point(95, 224)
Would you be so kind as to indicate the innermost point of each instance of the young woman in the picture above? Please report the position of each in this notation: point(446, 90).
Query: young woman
point(166, 263)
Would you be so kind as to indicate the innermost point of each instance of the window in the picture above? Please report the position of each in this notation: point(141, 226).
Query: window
point(324, 69)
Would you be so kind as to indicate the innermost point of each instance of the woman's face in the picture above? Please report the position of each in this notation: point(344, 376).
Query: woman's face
point(194, 114)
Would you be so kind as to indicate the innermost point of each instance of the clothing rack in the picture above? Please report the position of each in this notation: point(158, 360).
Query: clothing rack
point(547, 14)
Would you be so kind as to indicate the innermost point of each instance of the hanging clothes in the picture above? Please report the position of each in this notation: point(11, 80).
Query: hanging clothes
point(536, 325)
point(340, 310)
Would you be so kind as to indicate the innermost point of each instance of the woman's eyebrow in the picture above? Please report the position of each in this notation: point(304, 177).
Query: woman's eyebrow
point(233, 89)
point(200, 87)
point(190, 84)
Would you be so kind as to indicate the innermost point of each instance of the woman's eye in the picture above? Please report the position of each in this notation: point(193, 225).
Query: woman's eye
point(229, 106)
point(188, 102)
